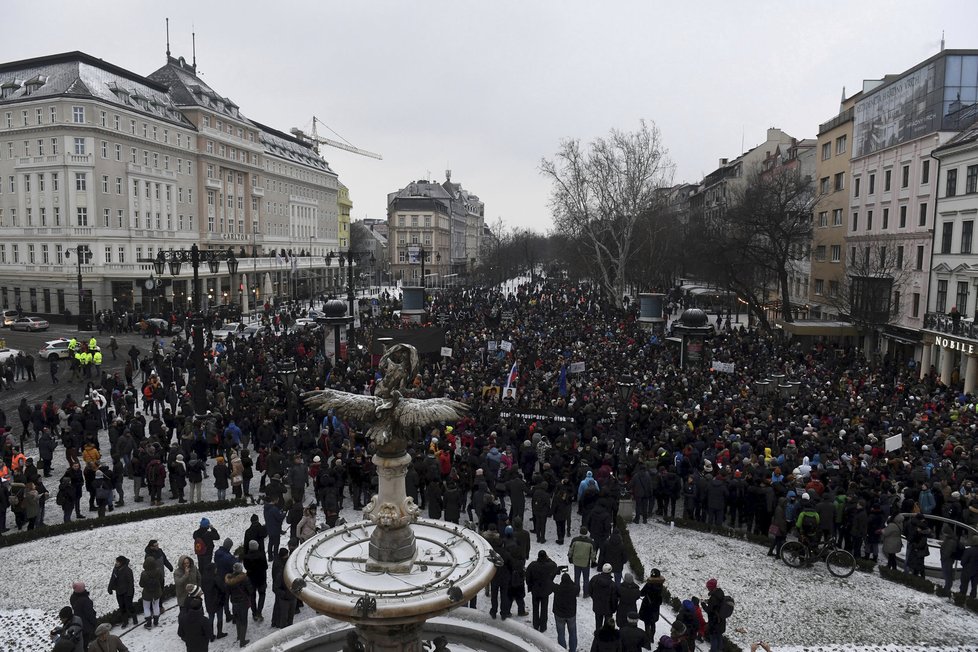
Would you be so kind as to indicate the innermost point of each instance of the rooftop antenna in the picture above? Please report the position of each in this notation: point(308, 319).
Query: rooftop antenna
point(167, 38)
point(193, 45)
point(942, 40)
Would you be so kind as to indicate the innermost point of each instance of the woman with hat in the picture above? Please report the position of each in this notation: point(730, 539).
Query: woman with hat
point(651, 594)
point(185, 575)
point(193, 628)
point(106, 642)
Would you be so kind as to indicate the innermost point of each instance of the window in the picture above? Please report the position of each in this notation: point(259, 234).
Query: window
point(855, 220)
point(872, 184)
point(78, 114)
point(837, 217)
point(903, 217)
point(856, 183)
point(118, 185)
point(45, 254)
point(826, 151)
point(105, 149)
point(895, 309)
point(819, 286)
point(915, 305)
point(44, 215)
point(30, 254)
point(887, 176)
point(952, 183)
point(27, 183)
point(840, 144)
point(819, 250)
point(823, 187)
point(869, 220)
point(971, 179)
point(967, 230)
point(13, 183)
point(15, 255)
point(947, 231)
point(118, 218)
point(81, 215)
point(59, 257)
point(823, 219)
point(866, 257)
point(920, 258)
point(40, 147)
point(840, 181)
point(54, 146)
point(80, 146)
point(961, 299)
point(836, 253)
point(122, 254)
point(118, 152)
point(886, 218)
point(57, 216)
point(923, 214)
point(108, 254)
point(132, 127)
point(925, 171)
point(81, 181)
point(899, 257)
point(905, 177)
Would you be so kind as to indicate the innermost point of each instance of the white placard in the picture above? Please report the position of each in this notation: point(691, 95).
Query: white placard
point(576, 368)
point(894, 443)
point(506, 346)
point(724, 367)
point(491, 346)
point(446, 352)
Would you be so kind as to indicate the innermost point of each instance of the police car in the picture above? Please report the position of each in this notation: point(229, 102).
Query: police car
point(54, 349)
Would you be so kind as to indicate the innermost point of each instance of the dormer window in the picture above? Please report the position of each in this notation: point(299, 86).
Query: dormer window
point(8, 89)
point(33, 84)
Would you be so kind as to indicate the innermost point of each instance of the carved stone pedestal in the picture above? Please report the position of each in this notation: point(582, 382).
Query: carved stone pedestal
point(392, 544)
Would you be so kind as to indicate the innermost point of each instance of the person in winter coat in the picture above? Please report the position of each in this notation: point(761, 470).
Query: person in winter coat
point(184, 575)
point(204, 538)
point(222, 476)
point(628, 595)
point(613, 552)
point(68, 637)
point(283, 611)
point(123, 585)
point(893, 540)
point(778, 529)
point(256, 566)
point(540, 509)
point(151, 582)
point(633, 637)
point(717, 624)
point(560, 508)
point(540, 576)
point(606, 638)
point(917, 550)
point(82, 606)
point(565, 612)
point(274, 519)
point(193, 627)
point(969, 567)
point(641, 487)
point(582, 554)
point(214, 599)
point(599, 523)
point(239, 592)
point(651, 593)
point(105, 641)
point(307, 525)
point(604, 596)
point(858, 528)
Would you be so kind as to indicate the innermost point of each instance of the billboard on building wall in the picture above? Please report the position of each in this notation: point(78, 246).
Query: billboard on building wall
point(903, 110)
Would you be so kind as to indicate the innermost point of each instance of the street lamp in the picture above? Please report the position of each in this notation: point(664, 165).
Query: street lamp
point(351, 257)
point(287, 375)
point(175, 258)
point(626, 386)
point(82, 255)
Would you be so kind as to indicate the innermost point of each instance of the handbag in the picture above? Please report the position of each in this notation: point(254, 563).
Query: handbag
point(774, 530)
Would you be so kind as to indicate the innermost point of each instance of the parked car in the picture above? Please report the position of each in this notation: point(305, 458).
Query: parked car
point(9, 317)
point(54, 349)
point(222, 333)
point(304, 324)
point(6, 353)
point(162, 326)
point(30, 324)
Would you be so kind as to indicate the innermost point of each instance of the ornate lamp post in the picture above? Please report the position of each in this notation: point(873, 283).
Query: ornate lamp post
point(287, 374)
point(175, 259)
point(351, 257)
point(626, 387)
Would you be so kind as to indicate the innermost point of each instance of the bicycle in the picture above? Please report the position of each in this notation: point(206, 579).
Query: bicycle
point(840, 563)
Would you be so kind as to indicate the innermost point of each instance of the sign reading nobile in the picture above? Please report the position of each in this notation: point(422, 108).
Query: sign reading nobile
point(953, 344)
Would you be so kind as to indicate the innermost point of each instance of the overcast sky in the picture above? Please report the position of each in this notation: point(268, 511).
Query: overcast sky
point(488, 88)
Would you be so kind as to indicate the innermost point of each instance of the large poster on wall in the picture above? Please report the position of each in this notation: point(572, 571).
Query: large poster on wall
point(903, 110)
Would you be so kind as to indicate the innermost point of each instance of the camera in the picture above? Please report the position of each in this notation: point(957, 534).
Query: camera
point(563, 569)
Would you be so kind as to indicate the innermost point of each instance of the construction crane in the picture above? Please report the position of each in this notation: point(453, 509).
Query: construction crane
point(318, 140)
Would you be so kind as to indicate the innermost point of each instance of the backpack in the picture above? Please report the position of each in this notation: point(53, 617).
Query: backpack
point(809, 525)
point(726, 607)
point(200, 547)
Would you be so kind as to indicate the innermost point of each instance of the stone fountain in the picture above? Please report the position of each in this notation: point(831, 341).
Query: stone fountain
point(393, 573)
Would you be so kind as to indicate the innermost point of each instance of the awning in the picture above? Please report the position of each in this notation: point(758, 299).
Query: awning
point(901, 339)
point(817, 327)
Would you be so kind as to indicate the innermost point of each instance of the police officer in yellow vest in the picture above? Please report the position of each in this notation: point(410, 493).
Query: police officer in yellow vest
point(76, 366)
point(92, 344)
point(86, 364)
point(72, 345)
point(97, 363)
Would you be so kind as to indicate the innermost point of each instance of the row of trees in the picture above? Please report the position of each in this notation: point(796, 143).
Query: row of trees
point(617, 223)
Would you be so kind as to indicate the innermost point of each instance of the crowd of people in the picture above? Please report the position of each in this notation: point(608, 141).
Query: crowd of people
point(690, 442)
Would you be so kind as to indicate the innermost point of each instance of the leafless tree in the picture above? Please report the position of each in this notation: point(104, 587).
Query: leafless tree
point(765, 230)
point(873, 288)
point(600, 193)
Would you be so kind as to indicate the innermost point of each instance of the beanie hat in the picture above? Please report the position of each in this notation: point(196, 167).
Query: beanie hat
point(711, 583)
point(65, 613)
point(655, 573)
point(955, 495)
point(78, 587)
point(583, 530)
point(805, 496)
point(238, 567)
point(606, 568)
point(204, 522)
point(629, 577)
point(254, 518)
point(194, 591)
point(316, 459)
point(666, 642)
point(104, 628)
point(122, 559)
point(688, 604)
point(508, 531)
point(632, 617)
point(227, 544)
point(252, 545)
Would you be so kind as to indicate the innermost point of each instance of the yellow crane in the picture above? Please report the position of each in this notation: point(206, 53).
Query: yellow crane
point(314, 137)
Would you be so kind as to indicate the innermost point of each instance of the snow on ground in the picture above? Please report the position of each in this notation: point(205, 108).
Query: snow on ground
point(803, 609)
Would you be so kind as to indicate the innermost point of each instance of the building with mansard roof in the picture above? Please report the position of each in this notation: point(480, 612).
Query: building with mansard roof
point(99, 159)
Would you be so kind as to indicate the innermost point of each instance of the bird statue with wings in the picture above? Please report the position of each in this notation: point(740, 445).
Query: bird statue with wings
point(391, 415)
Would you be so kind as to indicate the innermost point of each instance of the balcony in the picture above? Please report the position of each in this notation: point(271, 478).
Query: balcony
point(234, 141)
point(147, 171)
point(257, 191)
point(79, 159)
point(28, 162)
point(213, 184)
point(940, 322)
